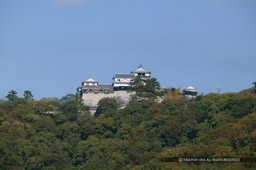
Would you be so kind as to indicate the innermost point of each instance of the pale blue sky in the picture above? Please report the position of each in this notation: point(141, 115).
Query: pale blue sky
point(51, 46)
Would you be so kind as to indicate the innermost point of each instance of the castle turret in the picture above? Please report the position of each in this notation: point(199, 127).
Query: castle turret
point(88, 86)
point(141, 72)
point(90, 82)
point(93, 86)
point(190, 92)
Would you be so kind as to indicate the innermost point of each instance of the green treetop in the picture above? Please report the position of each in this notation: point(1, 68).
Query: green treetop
point(12, 95)
point(28, 95)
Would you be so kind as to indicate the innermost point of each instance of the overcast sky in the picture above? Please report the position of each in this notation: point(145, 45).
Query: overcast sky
point(51, 46)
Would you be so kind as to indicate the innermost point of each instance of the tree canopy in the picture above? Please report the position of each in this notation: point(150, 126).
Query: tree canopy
point(12, 95)
point(28, 95)
point(147, 89)
point(137, 136)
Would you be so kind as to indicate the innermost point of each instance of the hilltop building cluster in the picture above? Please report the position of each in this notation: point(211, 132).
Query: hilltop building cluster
point(91, 91)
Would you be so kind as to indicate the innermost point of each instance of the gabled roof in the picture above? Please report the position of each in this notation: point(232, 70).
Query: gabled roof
point(123, 75)
point(140, 69)
point(90, 80)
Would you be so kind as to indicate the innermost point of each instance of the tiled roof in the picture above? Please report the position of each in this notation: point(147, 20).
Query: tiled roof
point(189, 88)
point(140, 69)
point(105, 86)
point(90, 80)
point(123, 75)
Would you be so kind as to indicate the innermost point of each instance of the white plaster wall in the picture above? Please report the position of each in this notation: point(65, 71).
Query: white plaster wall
point(118, 85)
point(123, 80)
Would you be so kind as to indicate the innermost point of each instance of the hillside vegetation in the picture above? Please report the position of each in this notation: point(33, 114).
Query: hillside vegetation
point(134, 137)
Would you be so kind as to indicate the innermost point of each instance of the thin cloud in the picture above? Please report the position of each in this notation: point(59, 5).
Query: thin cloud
point(69, 2)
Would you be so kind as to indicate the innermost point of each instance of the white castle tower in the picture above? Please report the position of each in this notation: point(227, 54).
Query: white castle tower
point(190, 92)
point(122, 80)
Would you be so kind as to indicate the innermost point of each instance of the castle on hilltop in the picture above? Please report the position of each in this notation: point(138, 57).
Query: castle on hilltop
point(92, 92)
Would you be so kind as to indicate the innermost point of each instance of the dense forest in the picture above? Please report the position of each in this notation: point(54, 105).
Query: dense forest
point(56, 133)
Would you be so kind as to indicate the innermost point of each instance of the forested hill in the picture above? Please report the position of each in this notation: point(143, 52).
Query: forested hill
point(134, 137)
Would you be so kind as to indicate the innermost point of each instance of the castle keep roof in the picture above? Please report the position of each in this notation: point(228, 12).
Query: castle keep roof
point(90, 80)
point(190, 88)
point(140, 69)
